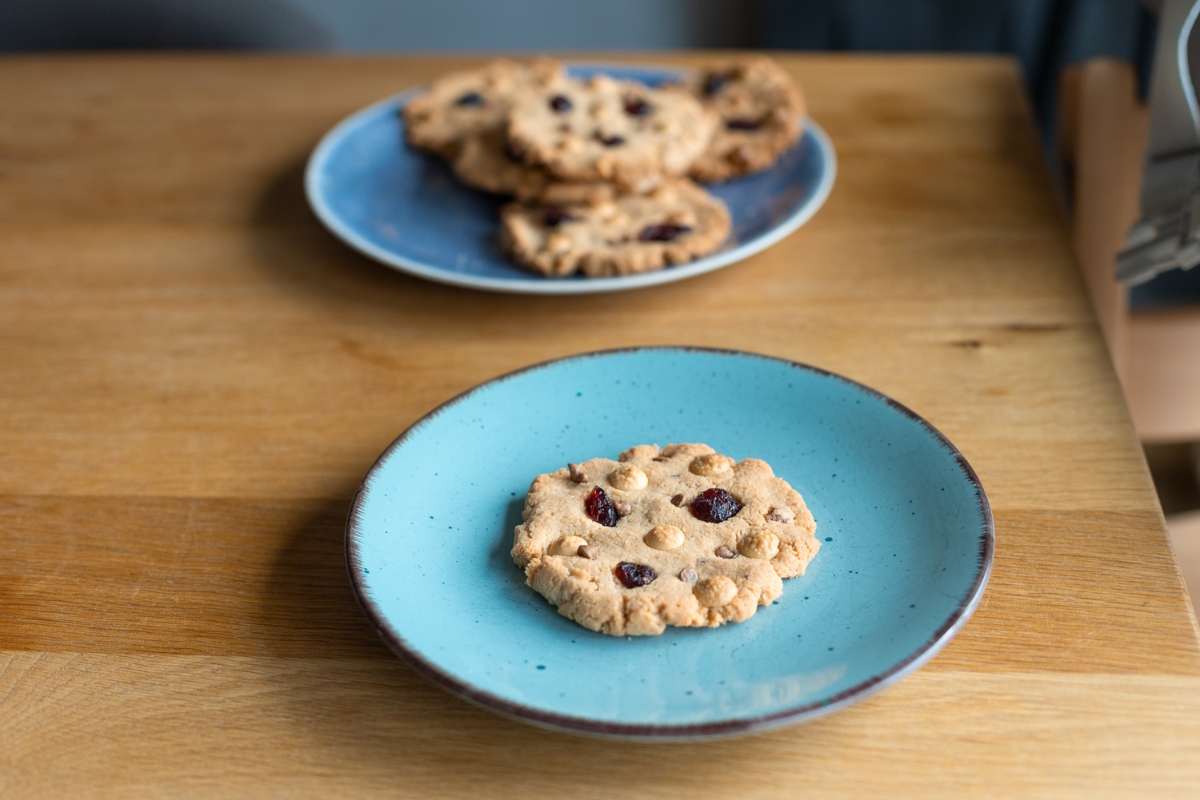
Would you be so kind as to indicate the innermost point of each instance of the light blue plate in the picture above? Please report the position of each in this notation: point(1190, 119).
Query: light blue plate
point(906, 534)
point(408, 211)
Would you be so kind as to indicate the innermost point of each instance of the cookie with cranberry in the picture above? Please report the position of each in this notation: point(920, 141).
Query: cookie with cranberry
point(485, 162)
point(680, 536)
point(605, 129)
point(674, 224)
point(760, 111)
point(464, 104)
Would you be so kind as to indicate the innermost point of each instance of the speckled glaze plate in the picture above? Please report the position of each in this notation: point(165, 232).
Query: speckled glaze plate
point(906, 532)
point(406, 209)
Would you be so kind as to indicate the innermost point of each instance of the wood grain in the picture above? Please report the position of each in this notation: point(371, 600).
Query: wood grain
point(196, 376)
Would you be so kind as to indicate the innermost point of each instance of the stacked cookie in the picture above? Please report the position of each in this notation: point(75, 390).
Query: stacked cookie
point(602, 169)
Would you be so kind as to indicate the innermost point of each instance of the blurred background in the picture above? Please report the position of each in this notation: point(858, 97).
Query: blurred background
point(1044, 35)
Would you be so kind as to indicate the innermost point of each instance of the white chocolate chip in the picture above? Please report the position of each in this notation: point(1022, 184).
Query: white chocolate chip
point(781, 514)
point(566, 546)
point(664, 537)
point(628, 478)
point(688, 575)
point(724, 552)
point(710, 464)
point(715, 591)
point(759, 544)
point(558, 243)
point(577, 475)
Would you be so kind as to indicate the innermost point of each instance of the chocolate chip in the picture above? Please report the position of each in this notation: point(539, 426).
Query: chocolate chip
point(577, 475)
point(610, 141)
point(622, 508)
point(724, 552)
point(470, 99)
point(677, 500)
point(688, 575)
point(560, 103)
point(660, 458)
point(588, 551)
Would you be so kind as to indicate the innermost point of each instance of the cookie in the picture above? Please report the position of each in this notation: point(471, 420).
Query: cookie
point(760, 111)
point(680, 536)
point(465, 104)
point(485, 162)
point(604, 129)
point(674, 224)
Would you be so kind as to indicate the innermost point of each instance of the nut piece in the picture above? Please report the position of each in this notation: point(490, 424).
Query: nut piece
point(715, 591)
point(622, 508)
point(759, 544)
point(688, 575)
point(724, 552)
point(577, 475)
point(566, 546)
point(628, 478)
point(664, 537)
point(588, 551)
point(781, 514)
point(710, 464)
point(677, 500)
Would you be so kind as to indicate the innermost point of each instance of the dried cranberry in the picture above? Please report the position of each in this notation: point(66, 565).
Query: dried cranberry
point(470, 99)
point(600, 508)
point(716, 82)
point(560, 104)
point(715, 505)
point(511, 154)
point(552, 218)
point(610, 141)
point(743, 124)
point(664, 232)
point(636, 106)
point(635, 575)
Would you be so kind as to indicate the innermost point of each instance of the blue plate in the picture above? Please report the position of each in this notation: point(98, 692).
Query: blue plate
point(407, 210)
point(905, 526)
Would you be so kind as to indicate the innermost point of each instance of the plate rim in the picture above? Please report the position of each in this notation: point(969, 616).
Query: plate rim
point(671, 732)
point(321, 155)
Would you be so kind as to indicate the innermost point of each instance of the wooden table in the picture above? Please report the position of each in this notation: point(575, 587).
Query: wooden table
point(194, 376)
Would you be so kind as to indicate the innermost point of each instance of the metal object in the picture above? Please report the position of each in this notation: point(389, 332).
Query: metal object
point(1168, 234)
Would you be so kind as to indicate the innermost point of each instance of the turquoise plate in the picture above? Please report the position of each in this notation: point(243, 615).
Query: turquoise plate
point(405, 209)
point(905, 527)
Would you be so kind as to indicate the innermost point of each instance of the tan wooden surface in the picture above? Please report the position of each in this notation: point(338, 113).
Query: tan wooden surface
point(194, 376)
